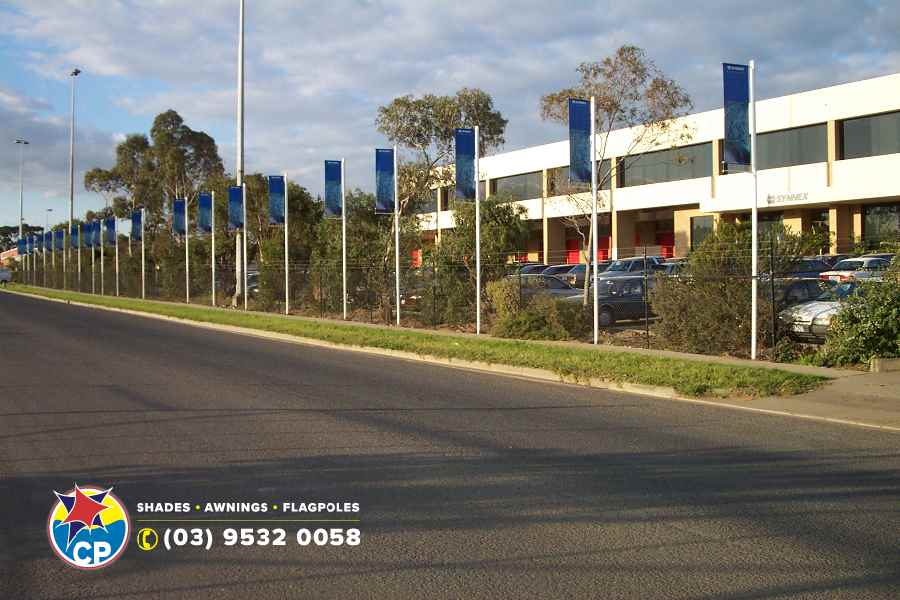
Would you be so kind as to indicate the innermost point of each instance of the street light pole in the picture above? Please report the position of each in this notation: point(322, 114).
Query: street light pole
point(44, 233)
point(75, 73)
point(21, 143)
point(239, 167)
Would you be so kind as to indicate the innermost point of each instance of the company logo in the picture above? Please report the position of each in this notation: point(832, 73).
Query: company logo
point(88, 527)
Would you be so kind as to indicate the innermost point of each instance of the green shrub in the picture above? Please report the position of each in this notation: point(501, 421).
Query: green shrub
point(544, 318)
point(504, 296)
point(867, 326)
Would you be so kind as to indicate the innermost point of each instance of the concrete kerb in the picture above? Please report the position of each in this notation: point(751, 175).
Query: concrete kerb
point(505, 370)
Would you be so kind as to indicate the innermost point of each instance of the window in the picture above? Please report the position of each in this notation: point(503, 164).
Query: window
point(558, 180)
point(798, 146)
point(675, 164)
point(881, 223)
point(519, 187)
point(871, 136)
point(428, 205)
point(701, 228)
point(481, 190)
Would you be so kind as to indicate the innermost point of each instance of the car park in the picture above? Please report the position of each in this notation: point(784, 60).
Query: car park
point(863, 267)
point(810, 321)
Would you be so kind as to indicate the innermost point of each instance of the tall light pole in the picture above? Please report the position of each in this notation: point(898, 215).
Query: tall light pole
point(21, 143)
point(44, 233)
point(75, 73)
point(240, 278)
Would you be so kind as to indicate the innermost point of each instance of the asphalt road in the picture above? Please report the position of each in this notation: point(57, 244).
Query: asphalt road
point(470, 485)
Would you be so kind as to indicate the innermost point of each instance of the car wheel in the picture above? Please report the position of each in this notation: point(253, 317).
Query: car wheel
point(605, 318)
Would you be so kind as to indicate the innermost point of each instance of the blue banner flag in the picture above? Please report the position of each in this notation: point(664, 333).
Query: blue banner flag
point(95, 237)
point(384, 180)
point(73, 236)
point(30, 241)
point(204, 212)
point(465, 163)
point(60, 240)
point(48, 241)
point(276, 199)
point(334, 206)
point(235, 207)
point(178, 223)
point(137, 231)
point(736, 83)
point(111, 231)
point(89, 234)
point(579, 141)
point(22, 247)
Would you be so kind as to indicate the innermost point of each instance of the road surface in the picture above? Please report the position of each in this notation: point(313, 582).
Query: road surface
point(470, 485)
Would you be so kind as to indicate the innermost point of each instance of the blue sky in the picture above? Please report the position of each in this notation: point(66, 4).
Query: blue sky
point(317, 71)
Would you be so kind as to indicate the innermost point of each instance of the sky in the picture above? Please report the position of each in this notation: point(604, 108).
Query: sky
point(316, 72)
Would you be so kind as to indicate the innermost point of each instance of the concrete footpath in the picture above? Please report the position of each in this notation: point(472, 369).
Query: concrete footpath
point(851, 397)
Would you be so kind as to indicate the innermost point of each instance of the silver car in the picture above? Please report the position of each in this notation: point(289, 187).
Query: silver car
point(864, 267)
point(809, 321)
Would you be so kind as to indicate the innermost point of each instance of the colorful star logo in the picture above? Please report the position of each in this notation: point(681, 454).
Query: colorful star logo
point(83, 511)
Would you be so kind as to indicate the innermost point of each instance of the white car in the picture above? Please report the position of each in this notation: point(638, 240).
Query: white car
point(809, 321)
point(864, 267)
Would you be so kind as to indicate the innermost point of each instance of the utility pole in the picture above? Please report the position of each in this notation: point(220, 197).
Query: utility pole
point(74, 73)
point(240, 277)
point(21, 143)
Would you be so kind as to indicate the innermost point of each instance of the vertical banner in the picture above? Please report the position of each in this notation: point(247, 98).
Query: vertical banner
point(137, 226)
point(48, 241)
point(22, 247)
point(384, 181)
point(89, 234)
point(97, 231)
point(111, 231)
point(73, 236)
point(579, 141)
point(60, 240)
point(334, 207)
point(178, 220)
point(465, 163)
point(736, 84)
point(276, 199)
point(30, 241)
point(235, 207)
point(204, 212)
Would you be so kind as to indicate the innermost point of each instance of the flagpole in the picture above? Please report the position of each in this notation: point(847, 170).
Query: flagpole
point(93, 261)
point(65, 253)
point(143, 258)
point(187, 252)
point(116, 241)
point(477, 237)
point(287, 283)
point(80, 231)
point(595, 232)
point(344, 240)
point(213, 247)
point(396, 237)
point(102, 255)
point(754, 216)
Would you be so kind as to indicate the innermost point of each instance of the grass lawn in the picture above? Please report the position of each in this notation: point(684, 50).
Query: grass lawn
point(688, 377)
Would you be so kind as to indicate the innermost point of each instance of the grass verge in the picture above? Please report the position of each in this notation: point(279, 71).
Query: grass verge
point(688, 377)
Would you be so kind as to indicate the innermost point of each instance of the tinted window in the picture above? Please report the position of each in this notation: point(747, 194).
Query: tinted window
point(519, 187)
point(848, 265)
point(798, 146)
point(871, 136)
point(701, 228)
point(675, 164)
point(881, 223)
point(558, 179)
point(555, 284)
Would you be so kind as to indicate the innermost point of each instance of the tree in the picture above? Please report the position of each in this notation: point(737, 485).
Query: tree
point(425, 126)
point(630, 92)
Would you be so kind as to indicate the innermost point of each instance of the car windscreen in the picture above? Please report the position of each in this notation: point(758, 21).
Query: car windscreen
point(619, 265)
point(838, 292)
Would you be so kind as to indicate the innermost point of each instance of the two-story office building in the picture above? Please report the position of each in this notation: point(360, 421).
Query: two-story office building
point(827, 159)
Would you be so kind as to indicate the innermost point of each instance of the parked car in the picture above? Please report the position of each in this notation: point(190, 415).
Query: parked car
point(627, 267)
point(253, 282)
point(534, 284)
point(864, 267)
point(809, 321)
point(619, 299)
point(558, 270)
point(807, 267)
point(532, 269)
point(575, 276)
point(790, 292)
point(5, 277)
point(671, 267)
point(832, 259)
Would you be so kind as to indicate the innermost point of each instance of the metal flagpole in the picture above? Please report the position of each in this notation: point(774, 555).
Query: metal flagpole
point(477, 237)
point(287, 282)
point(754, 215)
point(44, 255)
point(344, 240)
point(143, 258)
point(187, 257)
point(80, 232)
point(65, 253)
point(93, 261)
point(116, 241)
point(240, 162)
point(594, 214)
point(102, 257)
point(244, 257)
point(213, 248)
point(396, 236)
